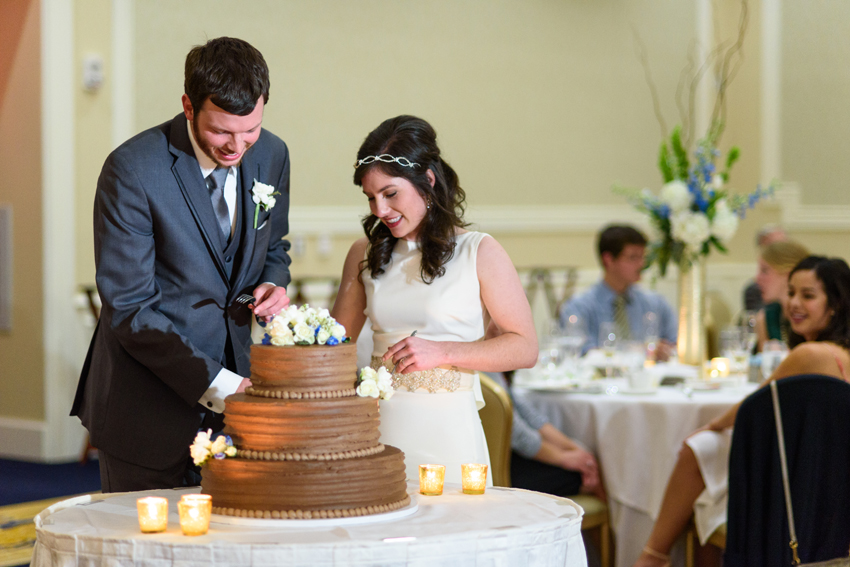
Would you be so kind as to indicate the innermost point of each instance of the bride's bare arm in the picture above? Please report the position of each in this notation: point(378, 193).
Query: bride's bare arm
point(351, 298)
point(510, 342)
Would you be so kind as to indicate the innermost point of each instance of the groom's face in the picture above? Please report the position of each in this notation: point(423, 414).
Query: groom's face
point(224, 137)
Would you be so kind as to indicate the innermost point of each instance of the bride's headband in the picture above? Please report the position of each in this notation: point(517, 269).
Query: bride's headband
point(386, 158)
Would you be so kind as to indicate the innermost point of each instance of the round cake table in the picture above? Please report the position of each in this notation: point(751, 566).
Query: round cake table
point(504, 526)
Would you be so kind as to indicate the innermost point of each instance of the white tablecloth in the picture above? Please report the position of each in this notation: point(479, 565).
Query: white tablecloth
point(636, 439)
point(503, 527)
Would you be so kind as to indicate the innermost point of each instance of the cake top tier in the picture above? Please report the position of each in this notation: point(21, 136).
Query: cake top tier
point(306, 371)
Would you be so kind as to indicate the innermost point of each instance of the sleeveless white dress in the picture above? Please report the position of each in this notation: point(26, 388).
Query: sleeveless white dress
point(433, 415)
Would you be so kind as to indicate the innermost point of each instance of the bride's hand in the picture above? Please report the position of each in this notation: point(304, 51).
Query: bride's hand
point(413, 354)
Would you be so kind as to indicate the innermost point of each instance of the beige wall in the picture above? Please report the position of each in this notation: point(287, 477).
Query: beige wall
point(816, 98)
point(21, 350)
point(541, 106)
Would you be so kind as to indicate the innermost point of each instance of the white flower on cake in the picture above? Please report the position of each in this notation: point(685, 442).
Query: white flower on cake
point(304, 334)
point(203, 448)
point(323, 335)
point(304, 326)
point(375, 383)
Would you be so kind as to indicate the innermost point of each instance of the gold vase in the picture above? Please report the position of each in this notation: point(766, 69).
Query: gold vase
point(692, 341)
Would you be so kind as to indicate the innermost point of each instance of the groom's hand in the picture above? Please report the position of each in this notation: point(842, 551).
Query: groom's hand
point(271, 300)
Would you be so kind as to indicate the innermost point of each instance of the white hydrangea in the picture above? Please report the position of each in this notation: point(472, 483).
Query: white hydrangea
point(676, 196)
point(691, 228)
point(725, 222)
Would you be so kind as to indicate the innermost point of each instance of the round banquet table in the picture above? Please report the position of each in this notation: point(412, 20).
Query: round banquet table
point(636, 439)
point(502, 527)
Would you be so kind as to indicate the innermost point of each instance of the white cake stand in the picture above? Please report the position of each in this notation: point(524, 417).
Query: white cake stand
point(408, 510)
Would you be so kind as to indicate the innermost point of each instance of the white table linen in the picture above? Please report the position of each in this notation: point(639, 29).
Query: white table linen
point(503, 527)
point(636, 439)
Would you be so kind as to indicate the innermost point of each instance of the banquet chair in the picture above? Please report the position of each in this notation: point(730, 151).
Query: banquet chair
point(497, 419)
point(596, 518)
point(816, 425)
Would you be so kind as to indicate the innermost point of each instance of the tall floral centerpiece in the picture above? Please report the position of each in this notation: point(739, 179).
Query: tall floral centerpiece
point(694, 213)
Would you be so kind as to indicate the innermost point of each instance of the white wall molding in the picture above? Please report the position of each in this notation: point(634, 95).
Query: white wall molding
point(566, 219)
point(510, 219)
point(63, 435)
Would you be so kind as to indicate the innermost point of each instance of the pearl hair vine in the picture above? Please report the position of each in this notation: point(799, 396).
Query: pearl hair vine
point(386, 158)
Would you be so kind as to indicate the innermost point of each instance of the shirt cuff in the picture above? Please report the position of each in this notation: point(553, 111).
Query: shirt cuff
point(225, 383)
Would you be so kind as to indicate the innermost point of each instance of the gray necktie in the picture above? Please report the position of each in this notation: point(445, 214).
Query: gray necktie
point(215, 184)
point(621, 318)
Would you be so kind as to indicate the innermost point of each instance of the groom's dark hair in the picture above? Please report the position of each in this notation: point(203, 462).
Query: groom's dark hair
point(230, 72)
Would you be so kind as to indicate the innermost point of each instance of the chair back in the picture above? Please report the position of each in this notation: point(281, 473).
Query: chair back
point(497, 419)
point(816, 426)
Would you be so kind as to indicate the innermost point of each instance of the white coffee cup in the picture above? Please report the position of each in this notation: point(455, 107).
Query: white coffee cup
point(641, 380)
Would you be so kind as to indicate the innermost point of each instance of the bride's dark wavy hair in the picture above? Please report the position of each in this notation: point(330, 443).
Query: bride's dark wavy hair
point(414, 139)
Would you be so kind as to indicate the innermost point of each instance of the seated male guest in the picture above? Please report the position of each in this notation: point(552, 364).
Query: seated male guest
point(616, 298)
point(543, 458)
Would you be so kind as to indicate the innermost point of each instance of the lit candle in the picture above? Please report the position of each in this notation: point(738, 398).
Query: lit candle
point(195, 511)
point(721, 365)
point(474, 478)
point(153, 514)
point(431, 479)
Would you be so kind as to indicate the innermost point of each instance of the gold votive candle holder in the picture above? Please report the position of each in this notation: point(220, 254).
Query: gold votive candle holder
point(195, 511)
point(721, 365)
point(153, 514)
point(431, 479)
point(473, 477)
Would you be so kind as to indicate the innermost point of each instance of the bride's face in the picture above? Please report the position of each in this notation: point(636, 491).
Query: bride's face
point(396, 202)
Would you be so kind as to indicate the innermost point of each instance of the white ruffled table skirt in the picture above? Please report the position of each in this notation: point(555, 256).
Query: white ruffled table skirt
point(502, 527)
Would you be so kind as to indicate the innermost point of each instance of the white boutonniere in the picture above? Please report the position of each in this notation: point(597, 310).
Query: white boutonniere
point(263, 196)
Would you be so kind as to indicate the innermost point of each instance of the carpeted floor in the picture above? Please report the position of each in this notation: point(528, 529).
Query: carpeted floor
point(24, 482)
point(28, 488)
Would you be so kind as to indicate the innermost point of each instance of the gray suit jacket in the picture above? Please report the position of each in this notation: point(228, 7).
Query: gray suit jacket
point(168, 310)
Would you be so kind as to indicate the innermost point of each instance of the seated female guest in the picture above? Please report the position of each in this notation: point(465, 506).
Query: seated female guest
point(775, 263)
point(818, 310)
point(444, 302)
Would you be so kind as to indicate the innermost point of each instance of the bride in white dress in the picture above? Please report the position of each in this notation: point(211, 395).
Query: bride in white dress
point(444, 302)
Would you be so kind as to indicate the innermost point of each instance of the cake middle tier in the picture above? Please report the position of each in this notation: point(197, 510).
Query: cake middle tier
point(312, 427)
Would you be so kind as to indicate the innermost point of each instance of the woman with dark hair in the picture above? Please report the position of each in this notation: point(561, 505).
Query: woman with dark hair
point(443, 302)
point(818, 309)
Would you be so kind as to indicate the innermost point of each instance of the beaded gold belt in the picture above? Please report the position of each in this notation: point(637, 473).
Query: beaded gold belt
point(434, 380)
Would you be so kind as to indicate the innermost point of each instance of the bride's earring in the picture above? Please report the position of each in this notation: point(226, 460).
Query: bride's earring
point(428, 203)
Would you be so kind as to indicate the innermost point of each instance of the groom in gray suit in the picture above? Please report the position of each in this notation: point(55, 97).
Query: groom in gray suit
point(183, 225)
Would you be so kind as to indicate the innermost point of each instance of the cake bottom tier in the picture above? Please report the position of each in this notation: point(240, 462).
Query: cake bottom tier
point(307, 489)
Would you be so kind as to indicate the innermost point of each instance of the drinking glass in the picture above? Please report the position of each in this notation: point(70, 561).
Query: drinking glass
point(772, 354)
point(608, 338)
point(650, 335)
point(735, 345)
point(748, 328)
